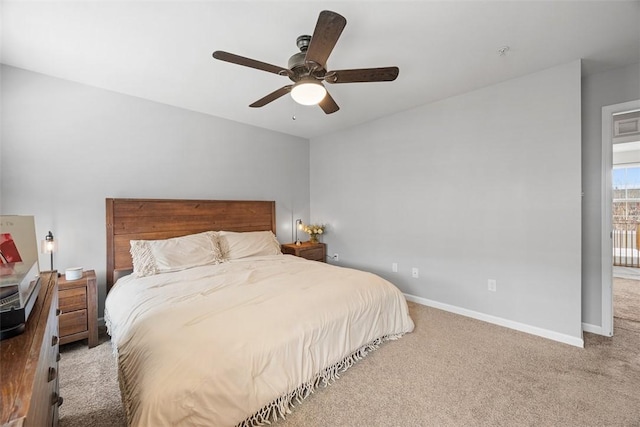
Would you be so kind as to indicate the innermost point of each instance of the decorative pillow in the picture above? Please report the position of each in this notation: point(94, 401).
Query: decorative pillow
point(178, 253)
point(250, 243)
point(143, 262)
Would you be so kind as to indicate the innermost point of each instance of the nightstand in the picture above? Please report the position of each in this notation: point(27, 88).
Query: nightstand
point(78, 303)
point(307, 250)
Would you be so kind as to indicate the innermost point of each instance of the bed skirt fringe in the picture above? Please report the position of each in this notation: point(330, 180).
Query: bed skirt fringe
point(282, 405)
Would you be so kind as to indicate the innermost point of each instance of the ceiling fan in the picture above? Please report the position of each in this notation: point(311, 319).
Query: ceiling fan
point(308, 68)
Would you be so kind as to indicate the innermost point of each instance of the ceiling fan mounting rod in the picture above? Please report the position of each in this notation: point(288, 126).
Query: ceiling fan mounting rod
point(303, 42)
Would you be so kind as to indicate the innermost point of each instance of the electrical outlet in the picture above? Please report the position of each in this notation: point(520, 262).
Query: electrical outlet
point(491, 285)
point(394, 267)
point(414, 273)
point(336, 257)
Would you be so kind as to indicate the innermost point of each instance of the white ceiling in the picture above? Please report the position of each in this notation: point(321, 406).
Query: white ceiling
point(161, 50)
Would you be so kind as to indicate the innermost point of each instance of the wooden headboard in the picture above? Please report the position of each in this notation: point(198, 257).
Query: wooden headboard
point(153, 219)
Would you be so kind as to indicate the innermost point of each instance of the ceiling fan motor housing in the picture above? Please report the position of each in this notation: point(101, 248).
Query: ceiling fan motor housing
point(297, 63)
point(296, 60)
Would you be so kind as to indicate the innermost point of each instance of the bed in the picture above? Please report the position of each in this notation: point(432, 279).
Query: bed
point(238, 340)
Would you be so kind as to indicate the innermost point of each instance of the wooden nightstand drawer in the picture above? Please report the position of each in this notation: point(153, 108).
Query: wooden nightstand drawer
point(307, 250)
point(73, 322)
point(78, 304)
point(314, 254)
point(73, 299)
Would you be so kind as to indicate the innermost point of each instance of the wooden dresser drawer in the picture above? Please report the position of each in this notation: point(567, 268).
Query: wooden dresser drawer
point(30, 364)
point(73, 322)
point(73, 299)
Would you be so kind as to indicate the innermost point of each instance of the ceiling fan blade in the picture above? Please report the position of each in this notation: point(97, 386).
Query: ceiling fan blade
point(272, 96)
point(325, 36)
point(361, 75)
point(247, 62)
point(328, 104)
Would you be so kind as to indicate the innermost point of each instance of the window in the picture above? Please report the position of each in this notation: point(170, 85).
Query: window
point(626, 194)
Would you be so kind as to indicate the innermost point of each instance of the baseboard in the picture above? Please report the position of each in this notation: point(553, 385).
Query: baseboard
point(533, 330)
point(594, 329)
point(101, 321)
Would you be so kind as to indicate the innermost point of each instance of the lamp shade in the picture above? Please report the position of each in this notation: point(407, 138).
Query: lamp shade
point(308, 92)
point(49, 245)
point(298, 227)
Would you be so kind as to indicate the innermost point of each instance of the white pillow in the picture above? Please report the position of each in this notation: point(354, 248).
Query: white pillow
point(178, 253)
point(250, 243)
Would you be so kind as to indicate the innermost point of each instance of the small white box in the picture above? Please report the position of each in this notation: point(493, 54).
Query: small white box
point(73, 273)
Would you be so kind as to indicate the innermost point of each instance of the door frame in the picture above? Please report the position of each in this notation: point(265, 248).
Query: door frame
point(607, 205)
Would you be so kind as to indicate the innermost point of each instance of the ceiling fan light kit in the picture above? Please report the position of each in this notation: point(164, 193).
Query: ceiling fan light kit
point(308, 92)
point(308, 68)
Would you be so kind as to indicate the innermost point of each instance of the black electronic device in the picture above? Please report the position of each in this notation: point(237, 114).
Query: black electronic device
point(19, 290)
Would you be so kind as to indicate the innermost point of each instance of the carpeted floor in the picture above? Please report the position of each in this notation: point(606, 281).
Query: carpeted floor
point(626, 299)
point(451, 371)
point(89, 385)
point(626, 304)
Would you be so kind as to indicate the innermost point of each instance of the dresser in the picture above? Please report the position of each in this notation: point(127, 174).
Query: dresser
point(307, 250)
point(78, 302)
point(30, 364)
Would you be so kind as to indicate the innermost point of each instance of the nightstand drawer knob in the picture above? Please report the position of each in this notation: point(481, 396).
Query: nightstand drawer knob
point(54, 340)
point(53, 374)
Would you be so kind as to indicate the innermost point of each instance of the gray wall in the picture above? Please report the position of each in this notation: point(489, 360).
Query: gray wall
point(598, 90)
point(485, 185)
point(68, 146)
point(423, 188)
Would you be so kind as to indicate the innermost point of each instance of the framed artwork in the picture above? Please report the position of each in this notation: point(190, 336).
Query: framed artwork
point(18, 244)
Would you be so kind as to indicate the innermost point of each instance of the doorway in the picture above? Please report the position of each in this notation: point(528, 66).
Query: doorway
point(616, 129)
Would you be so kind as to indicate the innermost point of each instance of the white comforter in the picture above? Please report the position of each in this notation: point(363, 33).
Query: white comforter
point(237, 342)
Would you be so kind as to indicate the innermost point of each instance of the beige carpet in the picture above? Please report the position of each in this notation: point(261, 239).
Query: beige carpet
point(89, 385)
point(625, 298)
point(451, 371)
